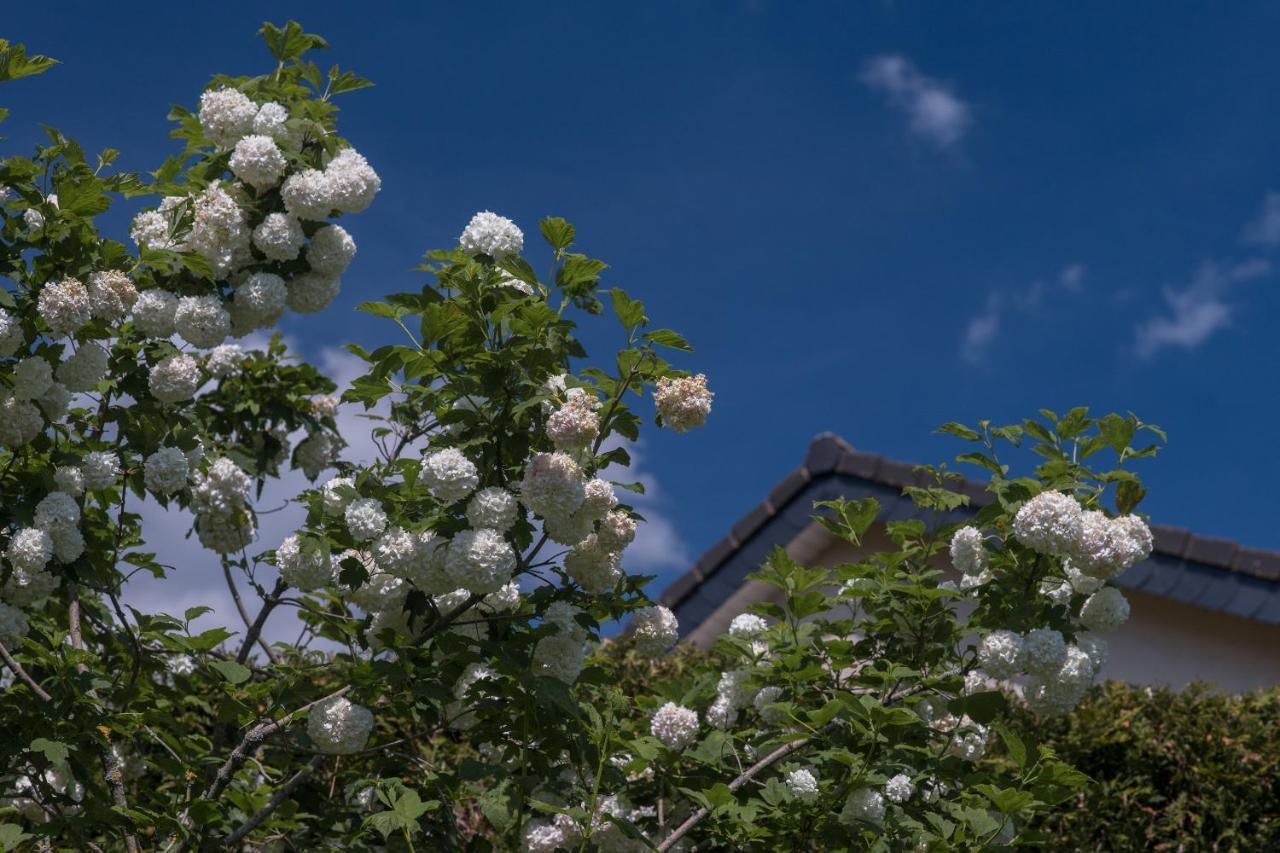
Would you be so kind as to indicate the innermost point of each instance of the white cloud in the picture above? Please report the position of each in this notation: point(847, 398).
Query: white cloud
point(1265, 230)
point(658, 546)
point(981, 330)
point(1196, 311)
point(933, 112)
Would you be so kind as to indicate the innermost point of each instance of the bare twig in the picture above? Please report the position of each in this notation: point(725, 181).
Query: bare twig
point(255, 630)
point(276, 799)
point(244, 614)
point(22, 674)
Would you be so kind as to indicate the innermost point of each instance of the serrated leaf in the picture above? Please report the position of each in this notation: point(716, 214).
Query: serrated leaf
point(233, 672)
point(557, 232)
point(55, 751)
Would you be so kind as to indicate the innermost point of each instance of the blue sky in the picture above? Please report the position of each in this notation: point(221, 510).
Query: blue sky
point(869, 218)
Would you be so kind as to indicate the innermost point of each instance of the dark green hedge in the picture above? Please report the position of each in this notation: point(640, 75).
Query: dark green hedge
point(1187, 770)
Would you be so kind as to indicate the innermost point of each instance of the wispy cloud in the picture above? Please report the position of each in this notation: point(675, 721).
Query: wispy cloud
point(983, 328)
point(933, 112)
point(1196, 310)
point(1265, 230)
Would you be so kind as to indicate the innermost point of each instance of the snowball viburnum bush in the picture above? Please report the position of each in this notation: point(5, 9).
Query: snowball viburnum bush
point(451, 685)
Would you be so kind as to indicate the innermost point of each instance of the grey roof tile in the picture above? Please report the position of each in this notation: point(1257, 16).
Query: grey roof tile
point(1214, 573)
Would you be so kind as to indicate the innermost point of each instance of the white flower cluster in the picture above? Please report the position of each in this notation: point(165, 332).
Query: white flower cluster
point(561, 654)
point(674, 725)
point(575, 425)
point(864, 804)
point(683, 403)
point(450, 475)
point(339, 726)
point(490, 234)
point(220, 500)
point(802, 784)
point(655, 630)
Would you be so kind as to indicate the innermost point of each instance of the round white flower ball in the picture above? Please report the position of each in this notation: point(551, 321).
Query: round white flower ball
point(967, 552)
point(270, 120)
point(11, 334)
point(312, 292)
point(85, 368)
point(304, 565)
point(365, 519)
point(899, 789)
point(1043, 651)
point(802, 784)
point(202, 321)
point(747, 626)
point(64, 306)
point(31, 378)
point(331, 498)
point(494, 507)
point(111, 295)
point(553, 485)
point(330, 251)
point(166, 471)
point(257, 161)
point(1105, 610)
point(999, 653)
point(339, 726)
point(683, 403)
point(30, 550)
point(69, 479)
point(674, 725)
point(450, 475)
point(174, 379)
point(480, 561)
point(226, 115)
point(101, 470)
point(766, 697)
point(260, 301)
point(1050, 523)
point(595, 569)
point(616, 532)
point(224, 360)
point(598, 498)
point(154, 313)
point(20, 420)
point(352, 181)
point(279, 236)
point(864, 804)
point(490, 234)
point(655, 630)
point(308, 195)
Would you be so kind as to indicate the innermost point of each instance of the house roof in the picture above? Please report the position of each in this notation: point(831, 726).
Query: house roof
point(1217, 574)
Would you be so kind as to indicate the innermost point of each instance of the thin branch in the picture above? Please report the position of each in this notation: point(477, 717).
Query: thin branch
point(22, 674)
point(244, 614)
point(255, 630)
point(112, 766)
point(276, 799)
point(247, 746)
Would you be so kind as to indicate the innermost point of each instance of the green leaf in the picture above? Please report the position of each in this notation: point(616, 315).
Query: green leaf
point(960, 431)
point(290, 43)
point(11, 835)
point(55, 751)
point(382, 309)
point(1013, 743)
point(668, 338)
point(15, 63)
point(557, 232)
point(230, 670)
point(630, 311)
